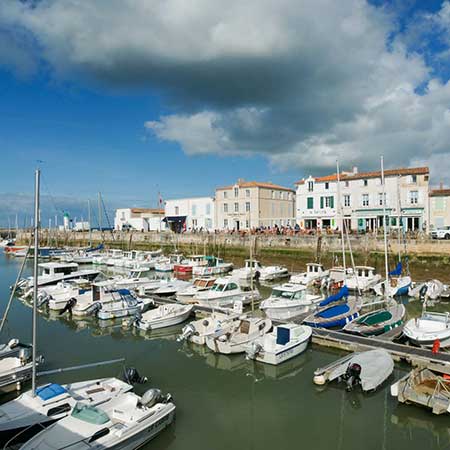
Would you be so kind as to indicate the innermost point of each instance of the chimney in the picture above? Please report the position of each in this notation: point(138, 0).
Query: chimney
point(355, 170)
point(441, 185)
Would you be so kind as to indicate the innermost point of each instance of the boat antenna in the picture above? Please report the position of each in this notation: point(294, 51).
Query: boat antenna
point(341, 216)
point(35, 275)
point(383, 182)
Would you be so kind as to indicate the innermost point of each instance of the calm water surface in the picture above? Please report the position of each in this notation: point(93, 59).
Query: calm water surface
point(227, 402)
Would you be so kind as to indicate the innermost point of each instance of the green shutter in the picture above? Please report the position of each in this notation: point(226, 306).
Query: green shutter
point(321, 202)
point(310, 201)
point(332, 202)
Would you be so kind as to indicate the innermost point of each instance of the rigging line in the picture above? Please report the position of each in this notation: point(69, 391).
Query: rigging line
point(52, 200)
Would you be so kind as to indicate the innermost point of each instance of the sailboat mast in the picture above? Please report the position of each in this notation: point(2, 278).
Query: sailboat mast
point(100, 211)
point(398, 220)
point(35, 275)
point(384, 224)
point(89, 223)
point(341, 214)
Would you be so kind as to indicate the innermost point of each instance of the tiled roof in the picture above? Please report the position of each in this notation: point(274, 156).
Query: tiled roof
point(248, 184)
point(147, 211)
point(440, 193)
point(376, 174)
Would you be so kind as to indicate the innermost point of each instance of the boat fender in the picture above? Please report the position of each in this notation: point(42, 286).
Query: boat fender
point(319, 380)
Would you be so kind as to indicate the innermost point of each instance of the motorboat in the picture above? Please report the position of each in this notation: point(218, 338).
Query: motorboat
point(314, 272)
point(167, 264)
point(215, 266)
point(134, 280)
point(433, 289)
point(378, 321)
point(163, 316)
point(224, 292)
point(288, 300)
point(186, 266)
point(251, 269)
point(396, 285)
point(361, 278)
point(429, 328)
point(127, 305)
point(424, 387)
point(283, 343)
point(58, 294)
point(368, 370)
point(214, 325)
point(53, 272)
point(245, 331)
point(272, 273)
point(54, 401)
point(127, 422)
point(171, 287)
point(198, 285)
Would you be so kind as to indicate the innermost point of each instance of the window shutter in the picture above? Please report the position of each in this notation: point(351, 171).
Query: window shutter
point(321, 202)
point(331, 202)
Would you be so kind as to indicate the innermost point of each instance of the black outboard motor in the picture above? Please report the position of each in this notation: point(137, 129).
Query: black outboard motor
point(69, 306)
point(257, 275)
point(423, 292)
point(352, 376)
point(132, 376)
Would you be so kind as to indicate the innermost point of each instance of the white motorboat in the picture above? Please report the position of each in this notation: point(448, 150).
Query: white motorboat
point(114, 256)
point(432, 289)
point(252, 268)
point(60, 293)
point(244, 332)
point(127, 305)
point(187, 265)
point(362, 278)
point(53, 402)
point(171, 287)
point(288, 300)
point(224, 292)
point(198, 285)
point(214, 325)
point(167, 264)
point(53, 272)
point(283, 343)
point(126, 422)
point(134, 280)
point(429, 328)
point(163, 316)
point(215, 266)
point(272, 273)
point(314, 272)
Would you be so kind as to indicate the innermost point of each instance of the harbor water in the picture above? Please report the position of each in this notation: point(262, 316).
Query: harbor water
point(226, 402)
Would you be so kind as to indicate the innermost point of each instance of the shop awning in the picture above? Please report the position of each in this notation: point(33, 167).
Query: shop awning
point(175, 219)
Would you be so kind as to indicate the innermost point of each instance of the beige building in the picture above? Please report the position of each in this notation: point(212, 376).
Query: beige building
point(250, 204)
point(439, 208)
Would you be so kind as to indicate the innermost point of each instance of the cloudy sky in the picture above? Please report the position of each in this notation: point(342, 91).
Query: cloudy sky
point(132, 97)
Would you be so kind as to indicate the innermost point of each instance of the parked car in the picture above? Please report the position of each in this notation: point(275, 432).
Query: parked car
point(441, 233)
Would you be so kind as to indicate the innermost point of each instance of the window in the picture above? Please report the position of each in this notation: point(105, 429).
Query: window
point(414, 179)
point(365, 182)
point(194, 210)
point(426, 178)
point(247, 224)
point(247, 192)
point(225, 207)
point(236, 207)
point(310, 202)
point(208, 209)
point(225, 194)
point(225, 223)
point(327, 202)
point(310, 186)
point(365, 199)
point(194, 223)
point(236, 192)
point(123, 215)
point(413, 197)
point(273, 194)
point(380, 198)
point(327, 185)
point(177, 210)
point(247, 206)
point(346, 200)
point(347, 183)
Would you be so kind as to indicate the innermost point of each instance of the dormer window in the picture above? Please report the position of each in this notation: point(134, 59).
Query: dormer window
point(365, 183)
point(414, 179)
point(310, 186)
point(236, 192)
point(327, 185)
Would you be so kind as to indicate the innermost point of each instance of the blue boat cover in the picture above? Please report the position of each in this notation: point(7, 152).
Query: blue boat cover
point(397, 271)
point(50, 391)
point(124, 291)
point(94, 249)
point(334, 311)
point(343, 292)
point(283, 335)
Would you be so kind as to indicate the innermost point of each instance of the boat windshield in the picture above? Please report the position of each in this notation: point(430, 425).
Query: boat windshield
point(278, 293)
point(90, 414)
point(218, 287)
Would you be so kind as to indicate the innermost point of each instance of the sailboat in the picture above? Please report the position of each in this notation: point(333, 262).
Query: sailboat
point(44, 404)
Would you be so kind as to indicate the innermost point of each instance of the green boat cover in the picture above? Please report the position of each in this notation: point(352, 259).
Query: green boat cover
point(90, 414)
point(375, 318)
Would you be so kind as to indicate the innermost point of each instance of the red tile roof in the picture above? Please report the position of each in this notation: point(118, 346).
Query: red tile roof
point(376, 174)
point(440, 193)
point(246, 184)
point(147, 211)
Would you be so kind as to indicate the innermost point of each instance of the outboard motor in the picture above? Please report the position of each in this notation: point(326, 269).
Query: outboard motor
point(352, 376)
point(154, 396)
point(13, 343)
point(253, 351)
point(69, 306)
point(423, 292)
point(257, 275)
point(43, 299)
point(187, 331)
point(132, 376)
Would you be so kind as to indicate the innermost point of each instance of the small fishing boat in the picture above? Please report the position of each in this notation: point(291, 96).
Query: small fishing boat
point(163, 316)
point(127, 305)
point(283, 343)
point(251, 269)
point(362, 278)
point(377, 322)
point(245, 331)
point(198, 285)
point(187, 265)
point(224, 292)
point(424, 387)
point(427, 329)
point(127, 422)
point(167, 264)
point(287, 301)
point(397, 285)
point(369, 370)
point(434, 289)
point(314, 272)
point(272, 273)
point(171, 287)
point(214, 266)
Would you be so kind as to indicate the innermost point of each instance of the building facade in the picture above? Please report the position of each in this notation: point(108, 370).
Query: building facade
point(139, 219)
point(250, 204)
point(187, 214)
point(439, 205)
point(406, 195)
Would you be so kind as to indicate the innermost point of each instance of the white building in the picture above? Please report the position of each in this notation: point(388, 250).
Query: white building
point(139, 219)
point(190, 214)
point(362, 199)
